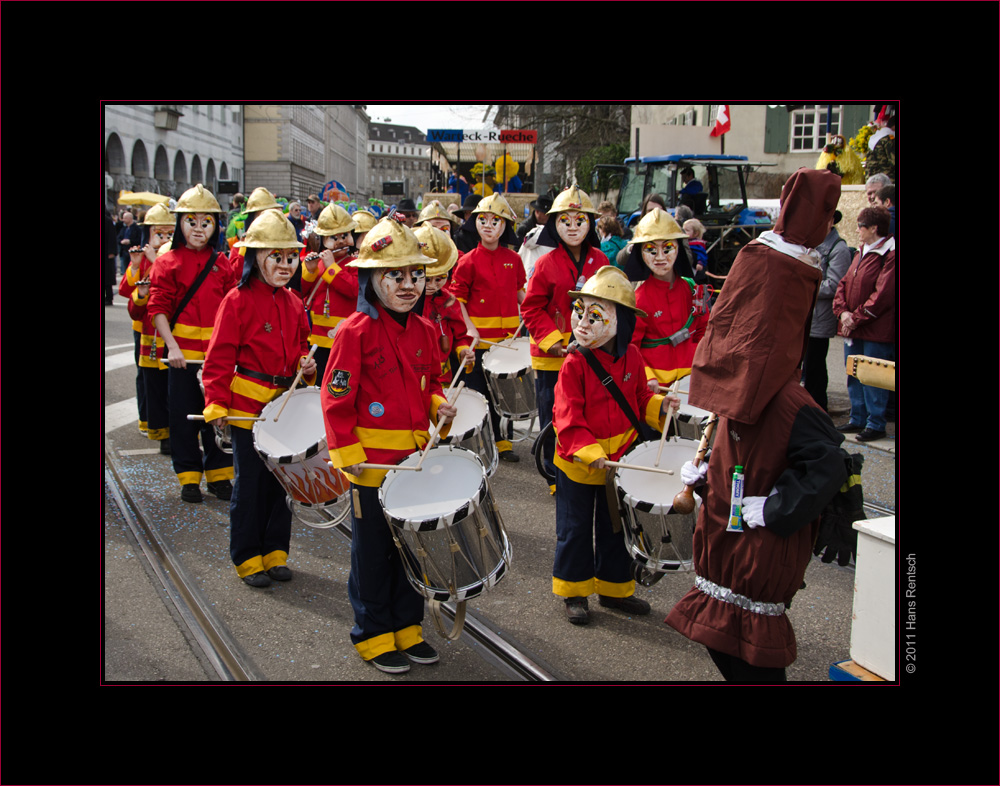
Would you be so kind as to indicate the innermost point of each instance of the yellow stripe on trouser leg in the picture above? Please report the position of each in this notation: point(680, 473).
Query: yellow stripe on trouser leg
point(504, 445)
point(158, 434)
point(187, 478)
point(614, 589)
point(275, 558)
point(407, 637)
point(372, 648)
point(225, 473)
point(572, 589)
point(251, 566)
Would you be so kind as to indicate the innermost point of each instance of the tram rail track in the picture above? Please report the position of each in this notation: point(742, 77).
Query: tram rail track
point(224, 654)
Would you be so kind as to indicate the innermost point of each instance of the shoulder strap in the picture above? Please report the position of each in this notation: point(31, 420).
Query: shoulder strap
point(612, 388)
point(194, 288)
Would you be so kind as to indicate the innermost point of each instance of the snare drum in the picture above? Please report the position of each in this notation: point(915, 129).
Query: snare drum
point(511, 379)
point(294, 450)
point(446, 524)
point(471, 429)
point(659, 541)
point(691, 421)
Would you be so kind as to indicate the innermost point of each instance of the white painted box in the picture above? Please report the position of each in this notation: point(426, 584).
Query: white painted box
point(873, 625)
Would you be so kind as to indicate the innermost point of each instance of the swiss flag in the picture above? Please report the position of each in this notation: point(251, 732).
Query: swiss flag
point(721, 121)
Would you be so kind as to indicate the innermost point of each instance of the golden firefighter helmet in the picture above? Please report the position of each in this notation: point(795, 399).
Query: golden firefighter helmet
point(496, 204)
point(365, 221)
point(572, 198)
point(334, 220)
point(271, 229)
point(159, 215)
point(391, 244)
point(657, 224)
point(439, 246)
point(610, 283)
point(261, 199)
point(197, 200)
point(435, 210)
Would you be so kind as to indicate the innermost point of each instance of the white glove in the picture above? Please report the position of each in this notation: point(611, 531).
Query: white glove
point(692, 475)
point(753, 510)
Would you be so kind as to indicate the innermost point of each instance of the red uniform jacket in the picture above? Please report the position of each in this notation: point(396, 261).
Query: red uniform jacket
point(668, 308)
point(142, 322)
point(547, 305)
point(380, 391)
point(488, 283)
point(443, 312)
point(258, 329)
point(589, 423)
point(173, 275)
point(331, 295)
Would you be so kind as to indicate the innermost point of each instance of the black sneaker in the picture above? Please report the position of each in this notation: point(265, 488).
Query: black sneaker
point(280, 573)
point(191, 492)
point(849, 428)
point(257, 580)
point(869, 435)
point(630, 605)
point(577, 611)
point(391, 662)
point(223, 489)
point(165, 447)
point(509, 455)
point(422, 653)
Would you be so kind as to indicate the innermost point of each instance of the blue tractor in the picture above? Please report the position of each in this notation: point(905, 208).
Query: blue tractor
point(713, 186)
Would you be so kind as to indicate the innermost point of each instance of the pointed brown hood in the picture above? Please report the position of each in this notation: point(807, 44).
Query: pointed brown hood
point(759, 326)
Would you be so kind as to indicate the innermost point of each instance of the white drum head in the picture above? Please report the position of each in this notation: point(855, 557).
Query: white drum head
point(299, 430)
point(451, 482)
point(472, 411)
point(501, 361)
point(653, 491)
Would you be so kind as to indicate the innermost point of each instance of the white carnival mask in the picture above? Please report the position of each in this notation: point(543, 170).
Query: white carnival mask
point(276, 266)
point(594, 321)
point(197, 229)
point(399, 289)
point(572, 227)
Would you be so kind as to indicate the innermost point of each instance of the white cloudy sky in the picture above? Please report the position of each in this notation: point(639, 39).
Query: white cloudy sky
point(424, 116)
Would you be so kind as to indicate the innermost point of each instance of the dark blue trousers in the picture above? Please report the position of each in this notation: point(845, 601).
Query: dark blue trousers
point(190, 459)
point(260, 522)
point(384, 602)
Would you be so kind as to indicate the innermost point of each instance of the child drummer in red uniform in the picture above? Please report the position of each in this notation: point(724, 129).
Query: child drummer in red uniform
point(592, 428)
point(258, 344)
point(380, 393)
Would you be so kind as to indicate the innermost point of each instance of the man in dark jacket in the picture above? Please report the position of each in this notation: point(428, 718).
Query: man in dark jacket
point(109, 242)
point(129, 235)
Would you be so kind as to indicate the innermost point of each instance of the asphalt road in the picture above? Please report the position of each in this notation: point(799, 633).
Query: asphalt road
point(297, 632)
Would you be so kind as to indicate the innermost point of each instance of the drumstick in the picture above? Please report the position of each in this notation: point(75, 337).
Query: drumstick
point(619, 465)
point(224, 417)
point(291, 390)
point(666, 426)
point(684, 501)
point(365, 465)
point(437, 426)
point(495, 344)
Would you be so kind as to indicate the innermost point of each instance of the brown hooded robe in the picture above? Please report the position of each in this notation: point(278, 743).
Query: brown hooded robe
point(746, 370)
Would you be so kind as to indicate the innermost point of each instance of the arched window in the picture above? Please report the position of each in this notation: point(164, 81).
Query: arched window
point(140, 161)
point(114, 156)
point(161, 164)
point(180, 167)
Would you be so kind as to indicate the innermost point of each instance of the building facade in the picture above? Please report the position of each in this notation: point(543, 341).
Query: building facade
point(787, 136)
point(294, 150)
point(167, 148)
point(402, 154)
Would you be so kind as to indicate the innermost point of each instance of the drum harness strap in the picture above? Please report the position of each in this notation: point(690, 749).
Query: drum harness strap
point(612, 388)
point(194, 288)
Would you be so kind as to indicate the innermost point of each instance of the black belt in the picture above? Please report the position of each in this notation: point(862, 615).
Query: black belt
point(281, 382)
